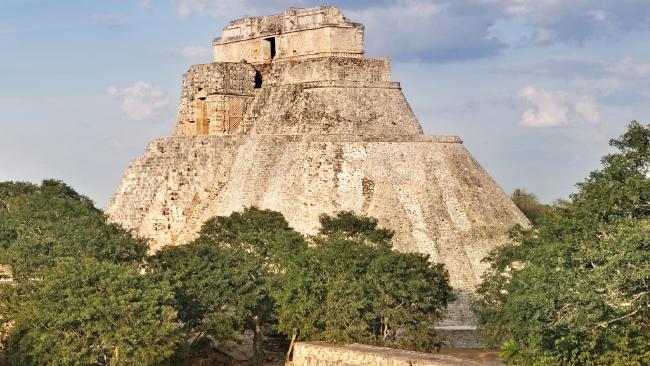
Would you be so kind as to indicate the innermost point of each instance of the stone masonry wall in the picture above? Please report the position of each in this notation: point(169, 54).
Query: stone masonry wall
point(333, 108)
point(214, 98)
point(329, 69)
point(329, 95)
point(324, 354)
point(296, 34)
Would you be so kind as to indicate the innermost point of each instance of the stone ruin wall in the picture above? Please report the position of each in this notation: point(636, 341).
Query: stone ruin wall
point(329, 69)
point(324, 354)
point(295, 34)
point(331, 95)
point(214, 98)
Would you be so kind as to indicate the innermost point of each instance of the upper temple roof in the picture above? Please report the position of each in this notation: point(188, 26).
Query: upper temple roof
point(293, 19)
point(296, 33)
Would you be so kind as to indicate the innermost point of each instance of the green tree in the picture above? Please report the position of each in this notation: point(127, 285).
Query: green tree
point(529, 204)
point(352, 287)
point(39, 224)
point(346, 224)
point(77, 295)
point(91, 313)
point(212, 288)
point(574, 289)
point(243, 254)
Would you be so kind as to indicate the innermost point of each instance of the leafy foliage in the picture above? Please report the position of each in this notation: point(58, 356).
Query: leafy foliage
point(575, 288)
point(39, 224)
point(348, 225)
point(77, 297)
point(352, 287)
point(91, 313)
point(212, 287)
point(529, 204)
point(223, 279)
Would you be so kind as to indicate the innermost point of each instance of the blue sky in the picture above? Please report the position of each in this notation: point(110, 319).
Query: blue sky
point(535, 88)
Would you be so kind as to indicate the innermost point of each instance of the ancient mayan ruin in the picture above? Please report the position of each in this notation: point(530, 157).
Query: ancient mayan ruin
point(292, 117)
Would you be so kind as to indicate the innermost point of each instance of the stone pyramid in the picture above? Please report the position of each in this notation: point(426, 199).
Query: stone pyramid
point(291, 117)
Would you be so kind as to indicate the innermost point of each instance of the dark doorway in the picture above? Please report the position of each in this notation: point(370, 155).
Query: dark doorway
point(258, 79)
point(271, 42)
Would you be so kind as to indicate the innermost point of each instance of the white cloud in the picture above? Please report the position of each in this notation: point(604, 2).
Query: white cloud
point(603, 87)
point(585, 108)
point(597, 14)
point(141, 100)
point(588, 74)
point(195, 54)
point(628, 67)
point(230, 8)
point(578, 21)
point(186, 7)
point(144, 4)
point(556, 108)
point(429, 30)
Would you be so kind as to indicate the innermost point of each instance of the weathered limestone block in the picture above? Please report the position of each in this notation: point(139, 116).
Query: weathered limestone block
point(295, 34)
point(214, 98)
point(335, 108)
point(330, 69)
point(325, 354)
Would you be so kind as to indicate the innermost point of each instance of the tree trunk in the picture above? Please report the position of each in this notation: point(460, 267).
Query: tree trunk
point(293, 341)
point(258, 350)
point(116, 356)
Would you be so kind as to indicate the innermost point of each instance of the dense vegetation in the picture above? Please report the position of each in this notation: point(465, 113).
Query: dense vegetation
point(77, 296)
point(350, 286)
point(252, 271)
point(575, 288)
point(84, 292)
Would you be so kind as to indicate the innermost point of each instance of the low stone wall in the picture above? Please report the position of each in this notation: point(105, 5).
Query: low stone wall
point(324, 354)
point(461, 336)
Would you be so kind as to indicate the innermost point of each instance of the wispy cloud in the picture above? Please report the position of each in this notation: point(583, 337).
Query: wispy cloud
point(140, 101)
point(231, 8)
point(194, 54)
point(578, 21)
point(556, 108)
point(16, 28)
point(581, 65)
point(111, 20)
point(428, 30)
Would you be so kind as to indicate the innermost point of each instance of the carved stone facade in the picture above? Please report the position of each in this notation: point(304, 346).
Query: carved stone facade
point(215, 98)
point(309, 134)
point(295, 34)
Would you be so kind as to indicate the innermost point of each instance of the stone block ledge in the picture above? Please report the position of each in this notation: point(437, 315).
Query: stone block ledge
point(441, 139)
point(325, 354)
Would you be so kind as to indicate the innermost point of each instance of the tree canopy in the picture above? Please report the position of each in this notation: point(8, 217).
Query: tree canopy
point(39, 224)
point(529, 204)
point(223, 279)
point(251, 270)
point(77, 295)
point(350, 286)
point(91, 313)
point(574, 289)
